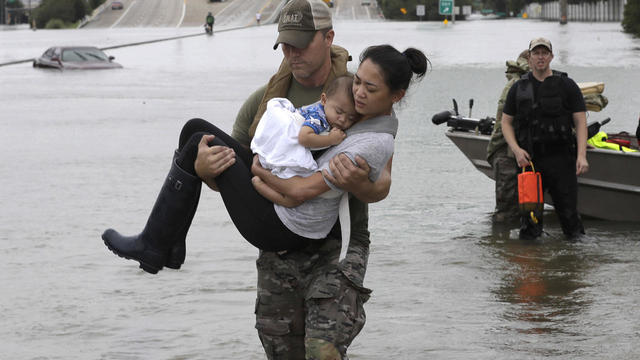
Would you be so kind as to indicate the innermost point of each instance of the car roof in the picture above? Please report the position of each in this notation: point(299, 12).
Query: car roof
point(78, 47)
point(73, 47)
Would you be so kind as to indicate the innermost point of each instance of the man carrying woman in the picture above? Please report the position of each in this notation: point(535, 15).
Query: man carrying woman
point(309, 305)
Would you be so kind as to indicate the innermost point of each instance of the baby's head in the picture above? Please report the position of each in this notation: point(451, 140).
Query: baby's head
point(338, 103)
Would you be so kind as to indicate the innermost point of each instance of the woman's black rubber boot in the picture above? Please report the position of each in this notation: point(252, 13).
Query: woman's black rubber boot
point(178, 251)
point(170, 216)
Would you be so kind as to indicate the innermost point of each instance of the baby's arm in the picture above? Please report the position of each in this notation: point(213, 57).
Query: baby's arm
point(309, 139)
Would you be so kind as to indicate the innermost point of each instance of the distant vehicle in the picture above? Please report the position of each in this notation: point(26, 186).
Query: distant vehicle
point(117, 5)
point(365, 2)
point(76, 57)
point(329, 3)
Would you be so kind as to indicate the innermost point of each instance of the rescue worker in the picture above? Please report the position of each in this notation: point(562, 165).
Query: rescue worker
point(540, 114)
point(309, 306)
point(502, 160)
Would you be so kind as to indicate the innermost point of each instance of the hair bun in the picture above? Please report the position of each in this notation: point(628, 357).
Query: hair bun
point(417, 61)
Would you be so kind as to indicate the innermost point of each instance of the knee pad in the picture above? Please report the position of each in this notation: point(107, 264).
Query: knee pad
point(319, 349)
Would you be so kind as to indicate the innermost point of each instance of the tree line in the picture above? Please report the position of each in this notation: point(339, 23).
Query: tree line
point(50, 14)
point(406, 9)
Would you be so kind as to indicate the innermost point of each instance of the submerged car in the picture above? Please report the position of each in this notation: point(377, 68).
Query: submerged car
point(117, 5)
point(75, 57)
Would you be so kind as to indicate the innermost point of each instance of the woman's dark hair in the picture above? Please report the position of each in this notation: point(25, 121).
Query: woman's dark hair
point(397, 67)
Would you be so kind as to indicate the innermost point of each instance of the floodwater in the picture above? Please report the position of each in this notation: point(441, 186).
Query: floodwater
point(84, 151)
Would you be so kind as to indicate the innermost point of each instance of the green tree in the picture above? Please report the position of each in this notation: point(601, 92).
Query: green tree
point(69, 11)
point(631, 20)
point(95, 3)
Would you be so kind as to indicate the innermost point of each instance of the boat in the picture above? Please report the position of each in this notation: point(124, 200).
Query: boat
point(610, 190)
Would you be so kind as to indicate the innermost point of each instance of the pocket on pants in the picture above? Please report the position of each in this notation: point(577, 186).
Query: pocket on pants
point(273, 327)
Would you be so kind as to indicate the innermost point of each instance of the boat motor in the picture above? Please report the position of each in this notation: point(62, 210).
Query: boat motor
point(461, 123)
point(594, 127)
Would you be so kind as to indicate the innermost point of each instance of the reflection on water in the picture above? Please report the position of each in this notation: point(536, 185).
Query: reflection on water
point(551, 291)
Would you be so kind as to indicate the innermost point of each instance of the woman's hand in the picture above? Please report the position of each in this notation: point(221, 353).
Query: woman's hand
point(257, 169)
point(211, 161)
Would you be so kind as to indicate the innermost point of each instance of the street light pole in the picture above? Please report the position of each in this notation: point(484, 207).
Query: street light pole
point(563, 12)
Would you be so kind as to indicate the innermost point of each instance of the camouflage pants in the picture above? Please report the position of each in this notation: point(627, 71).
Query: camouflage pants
point(505, 171)
point(306, 307)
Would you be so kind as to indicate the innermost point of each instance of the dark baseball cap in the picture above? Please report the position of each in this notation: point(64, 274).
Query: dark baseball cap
point(299, 21)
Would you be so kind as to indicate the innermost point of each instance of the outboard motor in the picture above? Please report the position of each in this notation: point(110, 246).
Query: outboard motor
point(461, 123)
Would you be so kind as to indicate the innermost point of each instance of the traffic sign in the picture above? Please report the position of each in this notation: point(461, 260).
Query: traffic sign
point(446, 7)
point(420, 10)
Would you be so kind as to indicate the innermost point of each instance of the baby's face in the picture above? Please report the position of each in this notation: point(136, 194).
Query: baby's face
point(340, 112)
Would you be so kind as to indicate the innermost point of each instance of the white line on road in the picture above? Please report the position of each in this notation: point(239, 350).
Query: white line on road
point(184, 11)
point(123, 15)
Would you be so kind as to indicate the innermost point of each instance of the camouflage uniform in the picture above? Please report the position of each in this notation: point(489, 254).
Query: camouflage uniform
point(502, 160)
point(309, 306)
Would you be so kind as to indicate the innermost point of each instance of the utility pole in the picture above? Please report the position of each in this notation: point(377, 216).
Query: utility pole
point(563, 12)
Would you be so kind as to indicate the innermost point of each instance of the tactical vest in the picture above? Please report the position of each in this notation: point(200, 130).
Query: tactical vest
point(547, 120)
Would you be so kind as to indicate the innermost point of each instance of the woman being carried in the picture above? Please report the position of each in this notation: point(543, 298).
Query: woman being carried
point(382, 78)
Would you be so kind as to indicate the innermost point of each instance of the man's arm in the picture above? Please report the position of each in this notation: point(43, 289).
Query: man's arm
point(580, 123)
point(522, 156)
point(211, 161)
point(355, 178)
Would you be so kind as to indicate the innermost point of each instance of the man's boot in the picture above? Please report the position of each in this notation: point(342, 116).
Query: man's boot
point(178, 252)
point(171, 214)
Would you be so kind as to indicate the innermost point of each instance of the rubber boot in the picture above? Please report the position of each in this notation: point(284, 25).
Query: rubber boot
point(179, 249)
point(171, 213)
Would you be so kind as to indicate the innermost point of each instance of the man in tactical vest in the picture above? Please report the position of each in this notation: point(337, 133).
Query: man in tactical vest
point(544, 122)
point(309, 306)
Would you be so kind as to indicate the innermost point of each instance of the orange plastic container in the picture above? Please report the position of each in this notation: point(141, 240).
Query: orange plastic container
point(530, 196)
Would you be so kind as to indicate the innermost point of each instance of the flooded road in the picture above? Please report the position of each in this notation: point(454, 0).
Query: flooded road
point(84, 151)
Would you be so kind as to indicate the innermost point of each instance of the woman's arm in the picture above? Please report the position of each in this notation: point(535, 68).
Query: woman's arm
point(275, 197)
point(355, 178)
point(297, 188)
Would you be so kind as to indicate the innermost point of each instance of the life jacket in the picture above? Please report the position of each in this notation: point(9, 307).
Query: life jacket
point(599, 140)
point(546, 120)
point(279, 83)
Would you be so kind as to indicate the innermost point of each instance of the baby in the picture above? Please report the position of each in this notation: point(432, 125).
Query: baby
point(285, 135)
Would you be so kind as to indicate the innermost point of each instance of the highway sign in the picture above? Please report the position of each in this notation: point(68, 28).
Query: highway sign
point(446, 7)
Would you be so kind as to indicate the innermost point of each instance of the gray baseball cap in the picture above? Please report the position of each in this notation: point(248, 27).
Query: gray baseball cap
point(540, 42)
point(299, 21)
